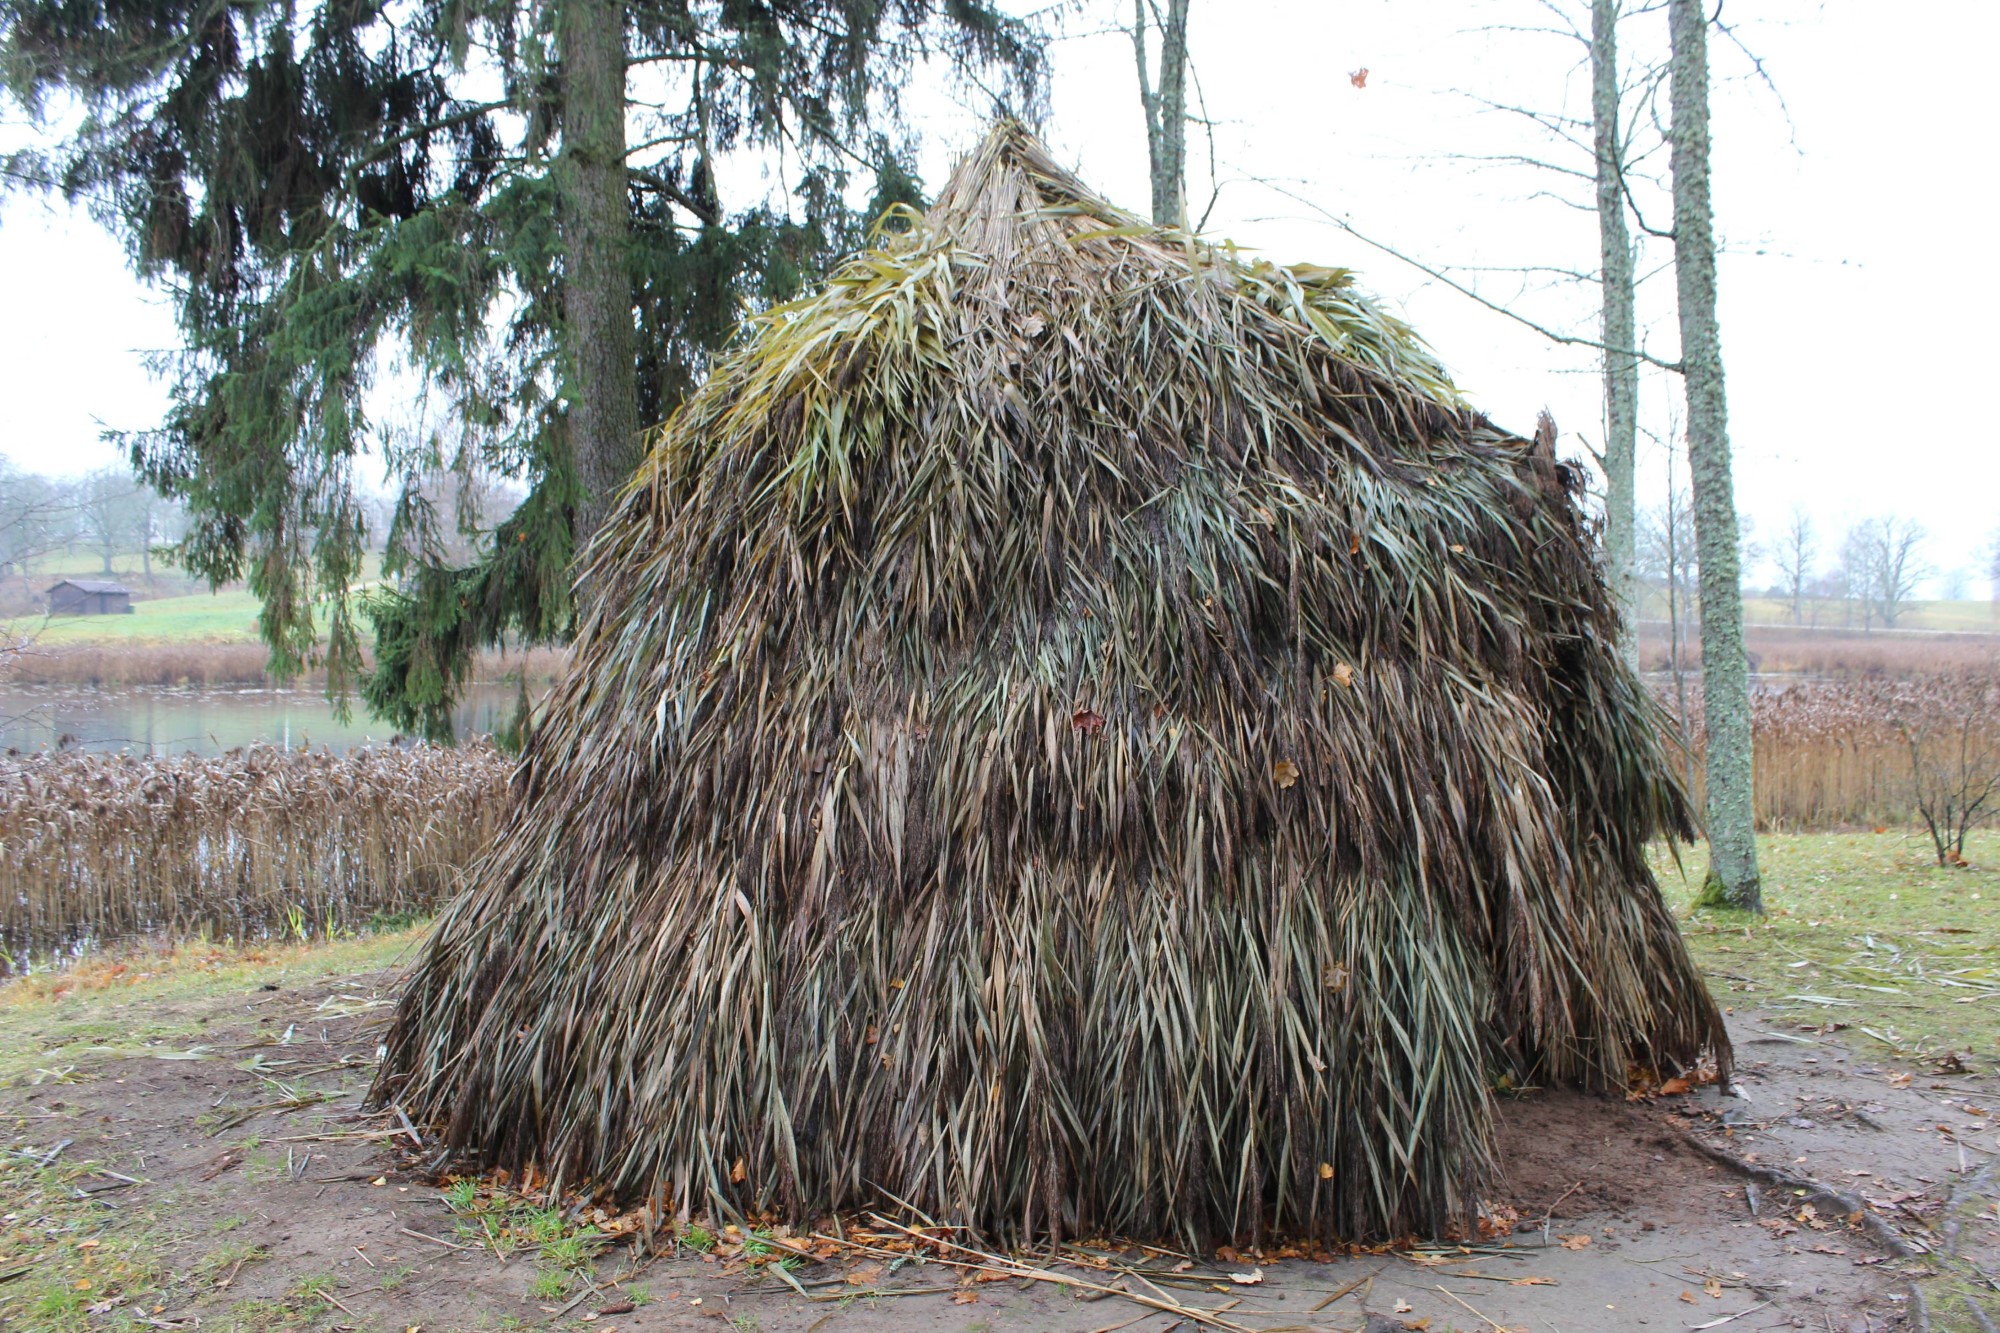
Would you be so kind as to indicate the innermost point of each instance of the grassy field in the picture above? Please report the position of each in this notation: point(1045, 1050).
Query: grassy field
point(123, 1003)
point(1974, 614)
point(1865, 936)
point(202, 617)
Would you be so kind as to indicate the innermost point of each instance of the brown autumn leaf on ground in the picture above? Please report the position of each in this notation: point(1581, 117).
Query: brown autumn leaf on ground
point(1358, 77)
point(863, 1275)
point(1576, 1242)
point(1086, 721)
point(1285, 772)
point(1673, 1087)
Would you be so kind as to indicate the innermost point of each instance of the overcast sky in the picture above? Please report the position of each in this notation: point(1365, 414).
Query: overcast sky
point(1855, 308)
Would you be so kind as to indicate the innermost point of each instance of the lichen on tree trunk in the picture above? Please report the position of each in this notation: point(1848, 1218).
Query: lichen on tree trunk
point(1166, 108)
point(1731, 816)
point(597, 291)
point(1621, 362)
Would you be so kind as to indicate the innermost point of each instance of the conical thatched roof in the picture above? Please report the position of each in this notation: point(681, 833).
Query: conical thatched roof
point(1078, 731)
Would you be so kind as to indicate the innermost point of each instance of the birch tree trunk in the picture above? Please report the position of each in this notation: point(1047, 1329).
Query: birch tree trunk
point(596, 221)
point(1165, 107)
point(1731, 819)
point(1620, 322)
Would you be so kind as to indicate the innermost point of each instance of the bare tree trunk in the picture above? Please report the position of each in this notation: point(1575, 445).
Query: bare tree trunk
point(1620, 322)
point(1731, 824)
point(1165, 108)
point(596, 218)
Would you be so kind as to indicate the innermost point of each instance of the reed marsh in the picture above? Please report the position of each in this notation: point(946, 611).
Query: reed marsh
point(98, 849)
point(1837, 753)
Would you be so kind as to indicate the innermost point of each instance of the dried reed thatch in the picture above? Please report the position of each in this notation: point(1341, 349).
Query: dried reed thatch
point(1080, 732)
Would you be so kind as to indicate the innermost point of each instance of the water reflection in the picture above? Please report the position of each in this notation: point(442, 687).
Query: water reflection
point(212, 720)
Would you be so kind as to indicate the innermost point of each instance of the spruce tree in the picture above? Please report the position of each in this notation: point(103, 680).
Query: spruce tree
point(516, 207)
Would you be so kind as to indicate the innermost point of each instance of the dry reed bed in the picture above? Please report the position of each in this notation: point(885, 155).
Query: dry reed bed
point(111, 847)
point(1834, 753)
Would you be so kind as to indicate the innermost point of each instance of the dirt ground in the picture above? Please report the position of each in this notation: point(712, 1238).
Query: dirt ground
point(230, 1182)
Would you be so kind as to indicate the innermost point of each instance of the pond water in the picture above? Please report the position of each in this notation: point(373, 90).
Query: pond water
point(212, 720)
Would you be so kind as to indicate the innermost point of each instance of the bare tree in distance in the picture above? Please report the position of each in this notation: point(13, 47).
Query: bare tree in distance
point(1885, 556)
point(1953, 736)
point(37, 519)
point(1665, 553)
point(1795, 552)
point(1832, 587)
point(1993, 569)
point(109, 507)
point(1731, 823)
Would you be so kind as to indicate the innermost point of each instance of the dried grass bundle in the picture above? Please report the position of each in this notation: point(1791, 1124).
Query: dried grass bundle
point(1079, 732)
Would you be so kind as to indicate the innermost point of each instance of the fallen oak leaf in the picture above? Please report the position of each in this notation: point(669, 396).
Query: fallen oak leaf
point(1576, 1242)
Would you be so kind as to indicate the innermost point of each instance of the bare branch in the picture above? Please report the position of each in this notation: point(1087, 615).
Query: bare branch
point(1566, 339)
point(662, 186)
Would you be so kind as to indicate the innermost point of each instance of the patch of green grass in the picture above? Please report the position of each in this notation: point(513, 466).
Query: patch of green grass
point(255, 1316)
point(70, 1254)
point(1864, 934)
point(461, 1194)
point(550, 1283)
point(307, 1294)
point(155, 1003)
point(697, 1237)
point(222, 1265)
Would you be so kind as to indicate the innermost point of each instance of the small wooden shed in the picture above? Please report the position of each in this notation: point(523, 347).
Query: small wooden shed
point(90, 597)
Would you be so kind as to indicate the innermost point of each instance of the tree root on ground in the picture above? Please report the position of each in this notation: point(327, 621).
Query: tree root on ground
point(1827, 1199)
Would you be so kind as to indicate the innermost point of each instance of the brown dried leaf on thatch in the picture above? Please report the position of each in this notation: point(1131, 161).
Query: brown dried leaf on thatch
point(909, 825)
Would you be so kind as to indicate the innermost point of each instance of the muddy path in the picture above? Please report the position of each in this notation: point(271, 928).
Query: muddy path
point(222, 1176)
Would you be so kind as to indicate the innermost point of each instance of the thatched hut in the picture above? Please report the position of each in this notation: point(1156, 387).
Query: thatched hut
point(1078, 731)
